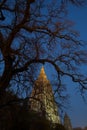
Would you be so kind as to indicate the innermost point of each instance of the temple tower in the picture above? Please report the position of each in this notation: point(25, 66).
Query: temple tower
point(42, 100)
point(67, 122)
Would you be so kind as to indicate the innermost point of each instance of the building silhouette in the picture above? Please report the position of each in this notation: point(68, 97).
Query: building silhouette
point(42, 99)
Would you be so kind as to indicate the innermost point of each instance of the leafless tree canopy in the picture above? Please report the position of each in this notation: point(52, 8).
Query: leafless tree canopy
point(35, 32)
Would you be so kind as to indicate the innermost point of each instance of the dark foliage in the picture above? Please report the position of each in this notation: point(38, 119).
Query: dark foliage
point(18, 117)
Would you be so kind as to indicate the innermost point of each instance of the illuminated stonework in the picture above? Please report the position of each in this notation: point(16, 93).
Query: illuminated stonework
point(42, 100)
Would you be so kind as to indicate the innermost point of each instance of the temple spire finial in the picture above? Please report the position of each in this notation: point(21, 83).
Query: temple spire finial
point(42, 73)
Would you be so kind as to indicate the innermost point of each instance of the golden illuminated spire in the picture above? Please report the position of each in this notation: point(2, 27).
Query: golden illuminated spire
point(42, 100)
point(42, 74)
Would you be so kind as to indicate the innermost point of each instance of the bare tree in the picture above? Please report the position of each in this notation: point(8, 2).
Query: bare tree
point(34, 32)
point(75, 2)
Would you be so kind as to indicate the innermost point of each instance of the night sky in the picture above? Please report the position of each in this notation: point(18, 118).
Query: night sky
point(78, 113)
point(78, 108)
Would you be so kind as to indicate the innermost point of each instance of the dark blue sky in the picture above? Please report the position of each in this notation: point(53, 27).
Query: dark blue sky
point(78, 110)
point(78, 113)
point(79, 16)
